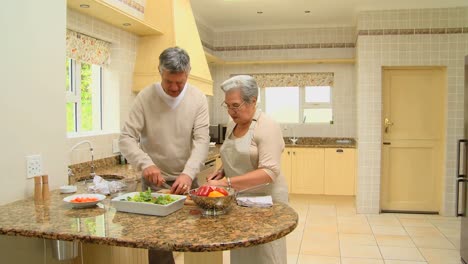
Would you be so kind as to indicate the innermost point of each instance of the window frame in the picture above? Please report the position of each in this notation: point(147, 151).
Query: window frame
point(73, 95)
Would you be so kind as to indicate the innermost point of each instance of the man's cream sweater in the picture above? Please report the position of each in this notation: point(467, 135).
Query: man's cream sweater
point(175, 140)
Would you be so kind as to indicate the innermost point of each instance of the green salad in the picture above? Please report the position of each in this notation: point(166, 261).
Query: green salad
point(146, 197)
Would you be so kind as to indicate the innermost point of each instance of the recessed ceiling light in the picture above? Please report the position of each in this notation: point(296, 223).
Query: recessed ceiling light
point(259, 12)
point(126, 24)
point(84, 6)
point(307, 11)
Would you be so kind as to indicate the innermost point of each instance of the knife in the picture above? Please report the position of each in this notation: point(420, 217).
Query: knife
point(165, 185)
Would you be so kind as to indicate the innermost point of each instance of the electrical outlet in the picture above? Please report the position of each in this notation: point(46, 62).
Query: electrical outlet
point(115, 146)
point(33, 166)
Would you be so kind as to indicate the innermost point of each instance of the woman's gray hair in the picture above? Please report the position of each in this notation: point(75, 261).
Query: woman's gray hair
point(174, 60)
point(245, 83)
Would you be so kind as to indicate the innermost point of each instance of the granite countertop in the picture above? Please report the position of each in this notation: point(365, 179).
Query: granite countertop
point(322, 142)
point(184, 230)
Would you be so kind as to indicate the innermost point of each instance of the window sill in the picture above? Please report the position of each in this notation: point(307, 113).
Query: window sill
point(91, 134)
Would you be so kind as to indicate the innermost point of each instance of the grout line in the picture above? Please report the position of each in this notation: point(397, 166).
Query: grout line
point(398, 218)
point(376, 242)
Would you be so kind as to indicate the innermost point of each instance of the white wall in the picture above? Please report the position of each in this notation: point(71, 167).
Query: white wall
point(375, 51)
point(33, 99)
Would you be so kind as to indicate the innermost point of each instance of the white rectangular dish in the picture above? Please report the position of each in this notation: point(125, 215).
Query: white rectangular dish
point(121, 204)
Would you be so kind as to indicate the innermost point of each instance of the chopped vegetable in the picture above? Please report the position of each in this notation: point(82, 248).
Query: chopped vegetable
point(84, 199)
point(146, 197)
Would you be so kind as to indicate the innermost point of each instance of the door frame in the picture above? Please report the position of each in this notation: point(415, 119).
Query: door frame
point(442, 176)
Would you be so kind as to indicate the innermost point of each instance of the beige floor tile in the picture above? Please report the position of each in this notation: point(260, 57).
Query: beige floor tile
point(387, 221)
point(311, 259)
point(292, 258)
point(357, 239)
point(415, 222)
point(433, 242)
point(331, 249)
point(323, 228)
point(353, 251)
point(418, 216)
point(354, 219)
point(404, 262)
point(389, 230)
point(401, 253)
point(455, 241)
point(394, 241)
point(441, 256)
point(321, 220)
point(361, 261)
point(422, 231)
point(449, 231)
point(318, 237)
point(345, 211)
point(354, 228)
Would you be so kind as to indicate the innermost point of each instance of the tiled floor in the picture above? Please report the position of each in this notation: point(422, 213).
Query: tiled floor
point(330, 232)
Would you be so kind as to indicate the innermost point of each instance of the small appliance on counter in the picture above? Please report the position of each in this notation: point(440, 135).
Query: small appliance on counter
point(218, 133)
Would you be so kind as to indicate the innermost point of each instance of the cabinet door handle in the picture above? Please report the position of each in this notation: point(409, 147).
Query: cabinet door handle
point(339, 151)
point(288, 152)
point(294, 152)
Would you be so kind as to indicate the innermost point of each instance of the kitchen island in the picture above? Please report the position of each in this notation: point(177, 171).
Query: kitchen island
point(185, 230)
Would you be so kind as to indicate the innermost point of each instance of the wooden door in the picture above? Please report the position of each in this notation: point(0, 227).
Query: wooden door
point(413, 129)
point(340, 167)
point(286, 166)
point(307, 170)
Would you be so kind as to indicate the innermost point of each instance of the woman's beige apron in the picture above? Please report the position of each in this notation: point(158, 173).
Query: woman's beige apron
point(235, 154)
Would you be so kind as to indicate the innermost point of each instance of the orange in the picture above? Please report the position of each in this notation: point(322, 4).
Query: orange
point(215, 194)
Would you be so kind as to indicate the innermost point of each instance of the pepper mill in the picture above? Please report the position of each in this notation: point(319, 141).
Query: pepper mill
point(37, 189)
point(45, 187)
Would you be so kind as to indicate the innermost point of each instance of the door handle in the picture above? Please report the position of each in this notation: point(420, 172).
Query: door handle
point(387, 124)
point(463, 198)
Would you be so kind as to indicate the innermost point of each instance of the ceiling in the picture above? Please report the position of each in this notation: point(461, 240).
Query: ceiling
point(227, 15)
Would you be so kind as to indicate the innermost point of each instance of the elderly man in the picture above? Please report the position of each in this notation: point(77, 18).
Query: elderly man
point(170, 121)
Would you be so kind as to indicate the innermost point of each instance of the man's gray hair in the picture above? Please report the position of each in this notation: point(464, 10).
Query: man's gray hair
point(174, 60)
point(245, 83)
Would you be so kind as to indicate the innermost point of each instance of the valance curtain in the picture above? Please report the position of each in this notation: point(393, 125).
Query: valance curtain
point(294, 79)
point(87, 49)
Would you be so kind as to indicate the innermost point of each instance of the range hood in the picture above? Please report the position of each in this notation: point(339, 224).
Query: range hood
point(175, 19)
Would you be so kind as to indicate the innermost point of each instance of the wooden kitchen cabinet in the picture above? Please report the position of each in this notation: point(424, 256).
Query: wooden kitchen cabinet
point(330, 171)
point(305, 168)
point(340, 171)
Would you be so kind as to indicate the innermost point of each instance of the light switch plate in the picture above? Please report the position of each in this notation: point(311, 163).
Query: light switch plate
point(33, 166)
point(115, 146)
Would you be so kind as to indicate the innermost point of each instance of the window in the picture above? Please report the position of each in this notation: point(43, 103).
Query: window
point(317, 104)
point(84, 101)
point(310, 104)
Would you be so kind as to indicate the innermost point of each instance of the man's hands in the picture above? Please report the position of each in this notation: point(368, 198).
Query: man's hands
point(153, 175)
point(182, 184)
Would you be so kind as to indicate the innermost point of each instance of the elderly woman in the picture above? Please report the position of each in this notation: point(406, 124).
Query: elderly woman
point(251, 156)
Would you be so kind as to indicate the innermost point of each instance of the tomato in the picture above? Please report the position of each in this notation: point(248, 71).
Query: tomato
point(221, 190)
point(83, 199)
point(203, 191)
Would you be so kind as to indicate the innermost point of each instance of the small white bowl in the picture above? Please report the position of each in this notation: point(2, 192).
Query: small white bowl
point(68, 189)
point(69, 199)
